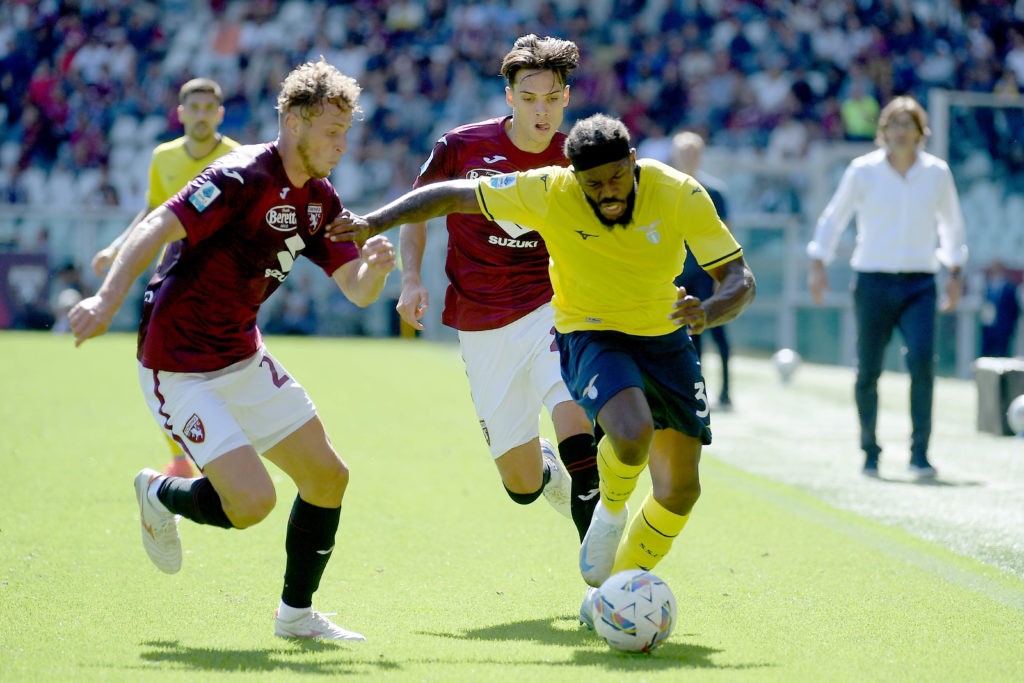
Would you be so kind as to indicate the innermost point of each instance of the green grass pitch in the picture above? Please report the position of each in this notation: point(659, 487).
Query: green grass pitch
point(779, 576)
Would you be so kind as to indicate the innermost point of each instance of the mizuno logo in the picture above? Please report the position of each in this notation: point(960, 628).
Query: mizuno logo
point(585, 235)
point(589, 495)
point(236, 175)
point(695, 190)
point(325, 552)
point(495, 159)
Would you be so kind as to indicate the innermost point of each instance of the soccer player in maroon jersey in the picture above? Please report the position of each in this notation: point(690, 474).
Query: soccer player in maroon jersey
point(235, 233)
point(499, 298)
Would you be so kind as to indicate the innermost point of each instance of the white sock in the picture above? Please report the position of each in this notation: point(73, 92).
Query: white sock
point(151, 494)
point(605, 515)
point(289, 613)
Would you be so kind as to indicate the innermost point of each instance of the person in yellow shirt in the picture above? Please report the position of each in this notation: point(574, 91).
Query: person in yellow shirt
point(173, 165)
point(617, 230)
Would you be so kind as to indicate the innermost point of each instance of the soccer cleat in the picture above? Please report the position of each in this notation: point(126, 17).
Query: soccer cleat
point(179, 467)
point(159, 527)
point(597, 554)
point(559, 488)
point(313, 625)
point(587, 608)
point(923, 470)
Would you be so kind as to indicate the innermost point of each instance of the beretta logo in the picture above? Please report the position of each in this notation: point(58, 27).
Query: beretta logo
point(283, 218)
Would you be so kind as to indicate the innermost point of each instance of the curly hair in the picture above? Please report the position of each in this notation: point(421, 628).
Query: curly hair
point(312, 85)
point(547, 54)
point(597, 140)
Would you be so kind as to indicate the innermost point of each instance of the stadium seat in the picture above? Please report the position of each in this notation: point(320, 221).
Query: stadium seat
point(124, 130)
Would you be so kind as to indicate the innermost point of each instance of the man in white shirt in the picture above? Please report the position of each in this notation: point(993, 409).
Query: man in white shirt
point(908, 223)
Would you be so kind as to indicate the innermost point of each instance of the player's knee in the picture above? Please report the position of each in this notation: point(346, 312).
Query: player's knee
point(632, 443)
point(252, 509)
point(326, 485)
point(523, 498)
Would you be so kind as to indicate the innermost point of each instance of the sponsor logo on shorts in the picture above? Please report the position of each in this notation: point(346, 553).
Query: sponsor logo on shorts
point(487, 435)
point(204, 196)
point(194, 429)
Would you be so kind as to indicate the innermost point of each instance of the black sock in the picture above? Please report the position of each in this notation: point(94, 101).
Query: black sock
point(579, 453)
point(527, 498)
point(308, 545)
point(194, 499)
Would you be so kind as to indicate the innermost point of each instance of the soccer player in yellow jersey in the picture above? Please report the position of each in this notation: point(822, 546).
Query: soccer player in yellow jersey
point(174, 164)
point(615, 228)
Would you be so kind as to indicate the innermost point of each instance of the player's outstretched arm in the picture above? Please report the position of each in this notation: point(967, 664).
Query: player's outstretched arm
point(91, 317)
point(421, 204)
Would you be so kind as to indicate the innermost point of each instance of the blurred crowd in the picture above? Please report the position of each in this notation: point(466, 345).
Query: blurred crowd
point(88, 86)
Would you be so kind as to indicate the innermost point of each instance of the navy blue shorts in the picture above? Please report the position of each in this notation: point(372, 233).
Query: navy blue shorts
point(596, 365)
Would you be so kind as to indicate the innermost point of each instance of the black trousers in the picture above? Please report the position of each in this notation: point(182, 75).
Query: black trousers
point(884, 302)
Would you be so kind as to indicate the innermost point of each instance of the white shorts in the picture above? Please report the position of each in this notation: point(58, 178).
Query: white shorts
point(513, 371)
point(253, 402)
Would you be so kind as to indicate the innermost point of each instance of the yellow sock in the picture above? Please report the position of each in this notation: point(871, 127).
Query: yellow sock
point(173, 447)
point(617, 479)
point(649, 537)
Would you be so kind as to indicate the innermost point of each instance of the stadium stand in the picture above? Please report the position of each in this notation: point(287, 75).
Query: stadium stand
point(88, 86)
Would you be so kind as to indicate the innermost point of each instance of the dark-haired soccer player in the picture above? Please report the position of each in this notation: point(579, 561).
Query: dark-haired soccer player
point(615, 228)
point(210, 382)
point(172, 166)
point(499, 296)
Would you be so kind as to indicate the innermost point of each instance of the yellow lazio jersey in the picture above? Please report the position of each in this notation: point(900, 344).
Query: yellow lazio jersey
point(172, 168)
point(617, 278)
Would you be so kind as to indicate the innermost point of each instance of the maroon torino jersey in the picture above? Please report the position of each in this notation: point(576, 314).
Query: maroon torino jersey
point(498, 271)
point(246, 225)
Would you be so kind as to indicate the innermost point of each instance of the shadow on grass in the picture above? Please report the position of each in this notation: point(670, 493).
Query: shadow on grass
point(938, 483)
point(566, 632)
point(291, 657)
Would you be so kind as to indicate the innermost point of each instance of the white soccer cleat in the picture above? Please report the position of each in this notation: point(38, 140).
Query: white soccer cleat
point(159, 527)
point(559, 488)
point(587, 607)
point(313, 625)
point(597, 554)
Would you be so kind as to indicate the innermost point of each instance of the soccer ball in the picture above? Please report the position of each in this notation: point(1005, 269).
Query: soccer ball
point(786, 361)
point(634, 611)
point(1015, 415)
